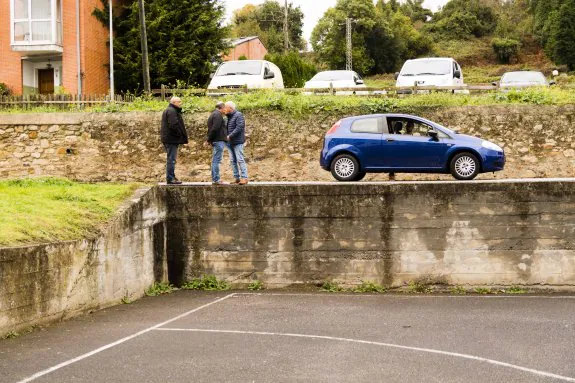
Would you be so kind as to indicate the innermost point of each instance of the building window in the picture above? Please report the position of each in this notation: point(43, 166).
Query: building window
point(36, 21)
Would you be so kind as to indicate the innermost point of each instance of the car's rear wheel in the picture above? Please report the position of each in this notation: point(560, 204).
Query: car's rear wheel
point(464, 166)
point(345, 168)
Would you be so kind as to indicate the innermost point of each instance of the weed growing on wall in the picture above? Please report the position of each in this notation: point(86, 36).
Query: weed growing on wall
point(483, 290)
point(331, 287)
point(255, 286)
point(206, 283)
point(419, 287)
point(369, 287)
point(515, 290)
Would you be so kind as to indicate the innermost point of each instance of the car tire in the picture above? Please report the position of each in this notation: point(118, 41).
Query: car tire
point(360, 176)
point(345, 167)
point(464, 166)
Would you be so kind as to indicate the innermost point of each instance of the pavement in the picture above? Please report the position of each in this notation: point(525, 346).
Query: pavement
point(304, 337)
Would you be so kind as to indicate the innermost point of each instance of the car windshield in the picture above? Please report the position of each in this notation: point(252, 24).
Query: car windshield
point(332, 76)
point(233, 68)
point(426, 67)
point(536, 78)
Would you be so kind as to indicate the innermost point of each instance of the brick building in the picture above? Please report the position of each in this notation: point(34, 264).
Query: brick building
point(38, 47)
point(251, 47)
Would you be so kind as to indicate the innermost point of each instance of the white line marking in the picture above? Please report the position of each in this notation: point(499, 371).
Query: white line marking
point(407, 295)
point(391, 345)
point(103, 348)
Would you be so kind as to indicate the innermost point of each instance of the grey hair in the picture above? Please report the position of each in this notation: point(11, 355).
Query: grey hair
point(220, 105)
point(175, 99)
point(231, 104)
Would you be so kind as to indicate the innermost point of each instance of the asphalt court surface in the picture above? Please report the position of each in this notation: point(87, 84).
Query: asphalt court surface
point(295, 337)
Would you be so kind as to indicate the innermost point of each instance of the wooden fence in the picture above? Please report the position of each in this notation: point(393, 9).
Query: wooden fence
point(62, 101)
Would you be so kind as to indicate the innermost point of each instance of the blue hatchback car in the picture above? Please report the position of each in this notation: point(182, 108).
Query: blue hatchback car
point(399, 143)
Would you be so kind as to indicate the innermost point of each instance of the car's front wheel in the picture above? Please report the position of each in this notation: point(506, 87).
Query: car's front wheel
point(464, 166)
point(345, 168)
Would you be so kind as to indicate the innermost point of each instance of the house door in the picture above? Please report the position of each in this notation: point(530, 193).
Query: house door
point(46, 81)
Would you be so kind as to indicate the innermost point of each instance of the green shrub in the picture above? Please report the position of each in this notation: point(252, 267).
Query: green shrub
point(256, 285)
point(331, 287)
point(295, 70)
point(242, 58)
point(160, 289)
point(505, 49)
point(369, 287)
point(4, 90)
point(206, 283)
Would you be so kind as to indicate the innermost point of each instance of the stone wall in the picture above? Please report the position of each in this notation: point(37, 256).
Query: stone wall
point(539, 142)
point(488, 233)
point(46, 283)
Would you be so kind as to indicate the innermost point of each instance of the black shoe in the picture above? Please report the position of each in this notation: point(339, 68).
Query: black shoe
point(174, 182)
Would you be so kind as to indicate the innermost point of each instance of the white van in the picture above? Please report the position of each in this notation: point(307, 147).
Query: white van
point(436, 71)
point(251, 74)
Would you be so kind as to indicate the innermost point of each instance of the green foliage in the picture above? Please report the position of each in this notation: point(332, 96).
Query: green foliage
point(458, 290)
point(52, 209)
point(266, 22)
point(515, 290)
point(331, 287)
point(183, 41)
point(160, 288)
point(369, 287)
point(256, 285)
point(483, 290)
point(526, 96)
point(295, 70)
point(206, 283)
point(463, 19)
point(565, 35)
point(242, 58)
point(505, 49)
point(126, 300)
point(419, 286)
point(11, 335)
point(4, 90)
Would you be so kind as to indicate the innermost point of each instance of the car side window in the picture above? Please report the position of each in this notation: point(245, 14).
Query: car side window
point(366, 125)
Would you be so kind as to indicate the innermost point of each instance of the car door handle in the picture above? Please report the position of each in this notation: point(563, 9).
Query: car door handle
point(389, 139)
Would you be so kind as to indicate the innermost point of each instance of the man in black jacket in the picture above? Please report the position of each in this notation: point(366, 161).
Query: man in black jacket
point(217, 139)
point(236, 140)
point(173, 134)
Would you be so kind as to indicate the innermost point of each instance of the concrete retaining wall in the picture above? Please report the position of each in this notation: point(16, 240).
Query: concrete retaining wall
point(497, 233)
point(45, 283)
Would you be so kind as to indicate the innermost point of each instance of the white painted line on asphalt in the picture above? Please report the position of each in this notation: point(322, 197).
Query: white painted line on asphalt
point(123, 340)
point(390, 345)
point(407, 295)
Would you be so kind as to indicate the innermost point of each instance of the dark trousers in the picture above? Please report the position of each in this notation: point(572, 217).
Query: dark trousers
point(172, 155)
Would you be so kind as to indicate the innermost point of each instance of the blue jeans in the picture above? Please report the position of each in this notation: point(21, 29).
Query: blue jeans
point(172, 155)
point(238, 161)
point(217, 155)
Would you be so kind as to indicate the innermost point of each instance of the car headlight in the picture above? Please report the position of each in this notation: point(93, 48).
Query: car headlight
point(491, 146)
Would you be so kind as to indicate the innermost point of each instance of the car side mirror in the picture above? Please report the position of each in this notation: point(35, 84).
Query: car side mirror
point(433, 134)
point(552, 82)
point(269, 75)
point(359, 82)
point(494, 83)
point(396, 75)
point(457, 74)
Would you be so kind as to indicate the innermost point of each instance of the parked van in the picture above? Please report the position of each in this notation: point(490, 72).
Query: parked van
point(252, 74)
point(436, 71)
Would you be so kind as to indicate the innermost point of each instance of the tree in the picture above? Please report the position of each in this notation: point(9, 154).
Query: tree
point(415, 11)
point(184, 41)
point(464, 19)
point(383, 37)
point(565, 35)
point(266, 22)
point(295, 70)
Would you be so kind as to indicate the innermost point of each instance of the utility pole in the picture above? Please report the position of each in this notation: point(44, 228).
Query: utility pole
point(349, 52)
point(286, 29)
point(144, 40)
point(112, 90)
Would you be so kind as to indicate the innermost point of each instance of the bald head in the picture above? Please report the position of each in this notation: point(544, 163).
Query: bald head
point(176, 101)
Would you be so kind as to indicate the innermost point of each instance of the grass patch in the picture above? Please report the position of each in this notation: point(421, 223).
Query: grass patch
point(206, 283)
point(55, 209)
point(458, 290)
point(331, 287)
point(160, 289)
point(256, 285)
point(369, 287)
point(483, 290)
point(515, 290)
point(420, 287)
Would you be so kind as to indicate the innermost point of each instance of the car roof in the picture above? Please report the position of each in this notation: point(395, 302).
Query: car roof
point(432, 58)
point(523, 71)
point(392, 115)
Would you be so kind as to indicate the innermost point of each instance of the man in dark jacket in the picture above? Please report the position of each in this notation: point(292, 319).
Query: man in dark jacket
point(217, 140)
point(236, 140)
point(173, 134)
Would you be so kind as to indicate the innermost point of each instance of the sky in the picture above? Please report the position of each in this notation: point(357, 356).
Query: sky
point(313, 10)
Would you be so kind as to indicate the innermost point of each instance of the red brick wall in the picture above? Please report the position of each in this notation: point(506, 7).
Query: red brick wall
point(10, 62)
point(253, 50)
